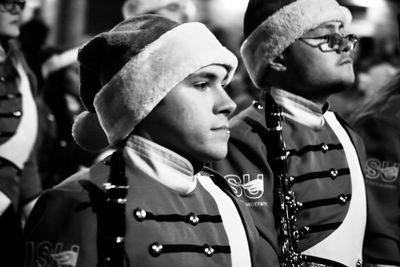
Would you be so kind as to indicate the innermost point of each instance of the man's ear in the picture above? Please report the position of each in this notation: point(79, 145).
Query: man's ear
point(277, 64)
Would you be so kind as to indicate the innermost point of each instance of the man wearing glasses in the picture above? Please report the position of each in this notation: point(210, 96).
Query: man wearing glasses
point(299, 171)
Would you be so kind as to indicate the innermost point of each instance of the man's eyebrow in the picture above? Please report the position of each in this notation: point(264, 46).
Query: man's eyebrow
point(208, 75)
point(329, 26)
point(333, 26)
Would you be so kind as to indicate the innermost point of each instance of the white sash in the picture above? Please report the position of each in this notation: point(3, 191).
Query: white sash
point(344, 245)
point(19, 147)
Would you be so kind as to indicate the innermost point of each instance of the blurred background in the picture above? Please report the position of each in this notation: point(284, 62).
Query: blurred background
point(71, 21)
point(68, 23)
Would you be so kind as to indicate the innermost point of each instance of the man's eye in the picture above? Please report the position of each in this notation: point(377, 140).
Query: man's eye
point(201, 86)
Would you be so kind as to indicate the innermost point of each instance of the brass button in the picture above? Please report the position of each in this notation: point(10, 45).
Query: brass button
point(343, 199)
point(194, 220)
point(17, 114)
point(208, 250)
point(156, 249)
point(257, 105)
point(324, 147)
point(140, 214)
point(334, 173)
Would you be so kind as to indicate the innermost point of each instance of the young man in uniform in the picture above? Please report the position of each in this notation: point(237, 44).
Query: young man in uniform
point(298, 53)
point(164, 108)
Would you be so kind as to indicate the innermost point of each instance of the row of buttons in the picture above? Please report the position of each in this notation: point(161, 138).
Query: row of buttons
point(156, 249)
point(141, 215)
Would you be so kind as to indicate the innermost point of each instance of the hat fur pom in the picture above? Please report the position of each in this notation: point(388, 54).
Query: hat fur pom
point(88, 132)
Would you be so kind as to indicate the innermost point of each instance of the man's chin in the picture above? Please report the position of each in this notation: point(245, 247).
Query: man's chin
point(341, 86)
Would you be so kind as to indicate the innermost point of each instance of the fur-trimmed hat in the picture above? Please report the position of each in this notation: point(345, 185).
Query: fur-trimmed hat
point(127, 71)
point(272, 26)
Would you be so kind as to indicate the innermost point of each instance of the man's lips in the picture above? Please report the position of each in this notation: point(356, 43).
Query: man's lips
point(221, 127)
point(346, 60)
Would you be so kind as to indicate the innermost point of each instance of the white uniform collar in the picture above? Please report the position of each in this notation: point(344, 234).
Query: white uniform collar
point(300, 109)
point(160, 163)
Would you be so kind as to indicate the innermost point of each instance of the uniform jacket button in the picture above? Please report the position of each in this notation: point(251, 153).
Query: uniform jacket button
point(325, 147)
point(334, 173)
point(208, 250)
point(194, 220)
point(342, 199)
point(139, 214)
point(17, 114)
point(156, 249)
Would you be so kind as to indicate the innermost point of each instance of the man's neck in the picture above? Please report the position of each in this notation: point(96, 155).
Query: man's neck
point(319, 101)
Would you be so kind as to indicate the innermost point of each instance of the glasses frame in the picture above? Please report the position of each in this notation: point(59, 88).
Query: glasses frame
point(11, 6)
point(351, 38)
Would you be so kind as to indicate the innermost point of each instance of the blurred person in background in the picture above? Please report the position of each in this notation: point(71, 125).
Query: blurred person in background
point(33, 37)
point(59, 155)
point(378, 122)
point(177, 10)
point(373, 67)
point(19, 179)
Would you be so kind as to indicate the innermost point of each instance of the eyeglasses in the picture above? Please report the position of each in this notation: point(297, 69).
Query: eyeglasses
point(333, 42)
point(11, 6)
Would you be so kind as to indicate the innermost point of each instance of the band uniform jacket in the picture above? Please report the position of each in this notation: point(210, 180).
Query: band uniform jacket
point(322, 180)
point(20, 180)
point(164, 226)
point(381, 134)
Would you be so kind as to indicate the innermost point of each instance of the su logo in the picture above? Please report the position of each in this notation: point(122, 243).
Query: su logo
point(48, 254)
point(386, 171)
point(250, 187)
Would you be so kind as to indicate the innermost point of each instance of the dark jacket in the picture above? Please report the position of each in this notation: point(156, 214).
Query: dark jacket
point(316, 161)
point(381, 133)
point(64, 222)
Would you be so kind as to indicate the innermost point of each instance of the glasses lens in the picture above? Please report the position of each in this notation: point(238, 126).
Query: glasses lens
point(352, 38)
point(342, 43)
point(348, 43)
point(11, 6)
point(334, 40)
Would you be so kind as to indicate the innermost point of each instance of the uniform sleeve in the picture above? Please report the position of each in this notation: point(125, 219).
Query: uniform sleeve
point(249, 175)
point(61, 231)
point(382, 140)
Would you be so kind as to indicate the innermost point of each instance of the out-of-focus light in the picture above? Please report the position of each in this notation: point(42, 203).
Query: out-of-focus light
point(227, 12)
point(368, 3)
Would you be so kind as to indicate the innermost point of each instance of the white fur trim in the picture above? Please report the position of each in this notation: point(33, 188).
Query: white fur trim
point(283, 28)
point(60, 61)
point(148, 77)
point(87, 132)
